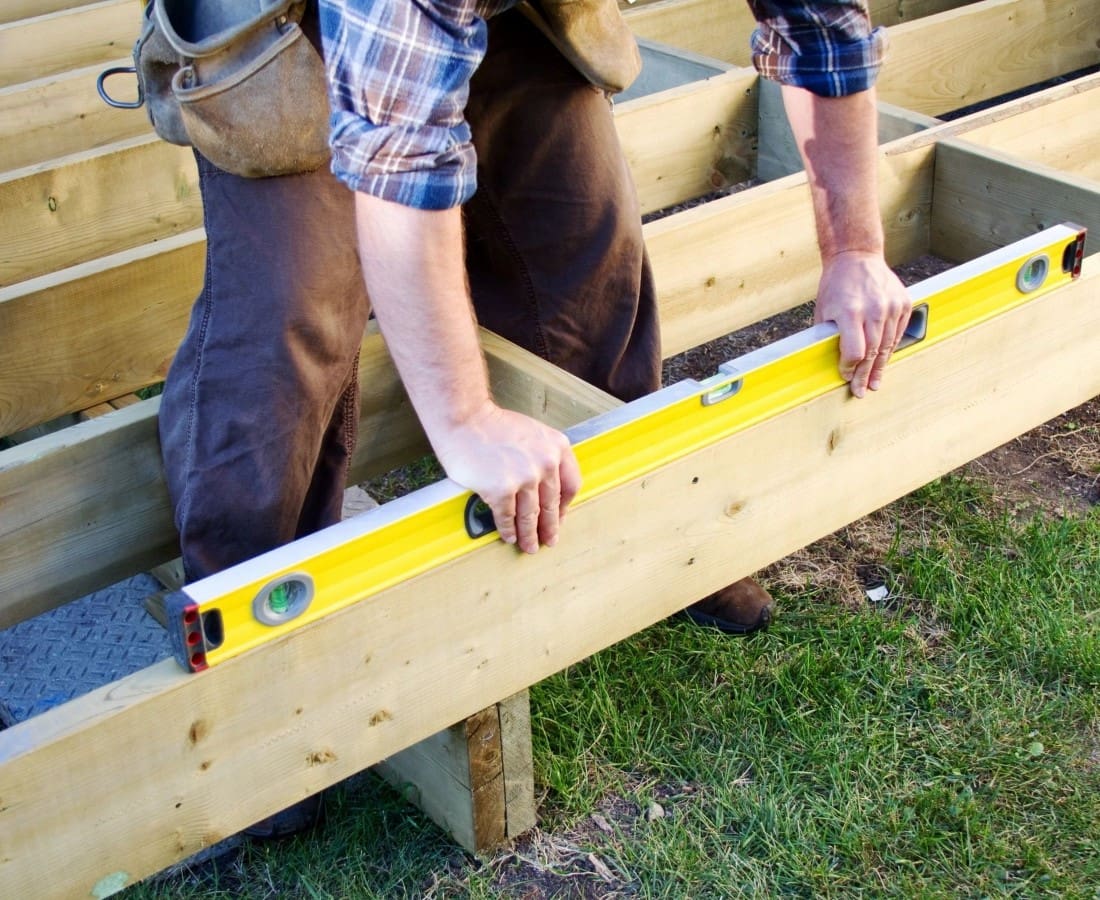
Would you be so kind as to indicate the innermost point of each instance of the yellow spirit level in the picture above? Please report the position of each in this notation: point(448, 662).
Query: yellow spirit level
point(237, 609)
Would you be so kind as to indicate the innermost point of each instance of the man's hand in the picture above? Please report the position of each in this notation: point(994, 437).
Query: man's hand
point(871, 308)
point(524, 470)
point(413, 267)
point(837, 137)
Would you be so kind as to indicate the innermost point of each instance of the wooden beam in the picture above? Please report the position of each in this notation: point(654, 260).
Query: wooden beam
point(62, 115)
point(361, 684)
point(711, 144)
point(96, 331)
point(87, 506)
point(95, 203)
point(982, 215)
point(69, 39)
point(982, 50)
point(722, 30)
point(734, 261)
point(475, 779)
point(1056, 129)
point(708, 27)
point(14, 10)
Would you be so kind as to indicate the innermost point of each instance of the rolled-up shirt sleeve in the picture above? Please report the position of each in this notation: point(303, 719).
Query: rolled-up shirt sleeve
point(828, 48)
point(399, 75)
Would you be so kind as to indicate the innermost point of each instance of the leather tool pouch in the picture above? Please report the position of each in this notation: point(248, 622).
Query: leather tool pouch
point(238, 80)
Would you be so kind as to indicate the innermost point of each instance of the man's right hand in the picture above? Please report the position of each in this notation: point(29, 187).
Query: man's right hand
point(525, 471)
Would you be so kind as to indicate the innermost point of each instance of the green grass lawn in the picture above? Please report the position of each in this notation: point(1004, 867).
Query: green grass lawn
point(943, 742)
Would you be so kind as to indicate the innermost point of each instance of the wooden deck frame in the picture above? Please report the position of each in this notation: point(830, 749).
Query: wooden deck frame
point(943, 54)
point(109, 326)
point(205, 737)
point(366, 685)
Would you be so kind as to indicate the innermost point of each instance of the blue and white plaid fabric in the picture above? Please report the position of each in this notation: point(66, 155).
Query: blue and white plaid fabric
point(399, 75)
point(827, 48)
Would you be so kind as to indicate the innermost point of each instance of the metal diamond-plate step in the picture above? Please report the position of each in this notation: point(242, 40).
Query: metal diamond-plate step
point(59, 655)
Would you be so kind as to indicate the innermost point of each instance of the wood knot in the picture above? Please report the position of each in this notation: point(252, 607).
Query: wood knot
point(383, 715)
point(198, 731)
point(320, 757)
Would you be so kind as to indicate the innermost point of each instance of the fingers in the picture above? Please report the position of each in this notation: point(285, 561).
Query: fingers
point(529, 514)
point(871, 309)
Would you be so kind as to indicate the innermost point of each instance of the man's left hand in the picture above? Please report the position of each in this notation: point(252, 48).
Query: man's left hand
point(871, 308)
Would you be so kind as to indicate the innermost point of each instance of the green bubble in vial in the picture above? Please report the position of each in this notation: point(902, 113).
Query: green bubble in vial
point(279, 599)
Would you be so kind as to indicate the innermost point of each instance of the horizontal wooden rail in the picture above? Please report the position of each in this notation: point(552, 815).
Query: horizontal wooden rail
point(95, 203)
point(495, 621)
point(87, 506)
point(986, 49)
point(722, 30)
point(68, 39)
point(1056, 128)
point(14, 10)
point(61, 115)
point(108, 327)
point(96, 331)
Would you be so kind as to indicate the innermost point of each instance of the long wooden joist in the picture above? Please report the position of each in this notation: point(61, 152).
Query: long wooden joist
point(89, 205)
point(61, 115)
point(713, 276)
point(361, 684)
point(32, 48)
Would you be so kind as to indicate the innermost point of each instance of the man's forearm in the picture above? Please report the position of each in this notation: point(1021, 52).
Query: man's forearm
point(838, 138)
point(414, 268)
point(415, 275)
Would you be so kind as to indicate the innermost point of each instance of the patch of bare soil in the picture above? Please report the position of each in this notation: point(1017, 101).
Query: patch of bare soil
point(545, 864)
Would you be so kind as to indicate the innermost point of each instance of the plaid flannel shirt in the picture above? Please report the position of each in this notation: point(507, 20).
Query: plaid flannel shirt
point(399, 75)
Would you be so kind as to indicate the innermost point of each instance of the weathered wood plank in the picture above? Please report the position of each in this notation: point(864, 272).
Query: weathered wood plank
point(96, 203)
point(986, 49)
point(712, 144)
point(69, 39)
point(87, 506)
point(62, 115)
point(982, 216)
point(97, 331)
point(361, 684)
point(1060, 130)
point(460, 778)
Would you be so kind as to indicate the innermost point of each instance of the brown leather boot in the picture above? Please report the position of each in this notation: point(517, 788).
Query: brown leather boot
point(740, 608)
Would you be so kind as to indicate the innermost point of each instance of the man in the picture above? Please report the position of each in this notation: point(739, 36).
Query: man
point(485, 174)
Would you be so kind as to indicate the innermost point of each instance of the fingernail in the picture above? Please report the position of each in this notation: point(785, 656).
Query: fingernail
point(552, 542)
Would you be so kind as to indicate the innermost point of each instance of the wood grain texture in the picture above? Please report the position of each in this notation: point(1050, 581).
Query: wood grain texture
point(96, 331)
point(996, 200)
point(709, 27)
point(62, 115)
point(14, 10)
point(985, 49)
point(1060, 130)
point(69, 39)
point(361, 684)
point(711, 146)
point(96, 203)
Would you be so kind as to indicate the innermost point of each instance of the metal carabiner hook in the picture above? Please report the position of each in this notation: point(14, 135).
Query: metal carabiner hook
point(111, 101)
